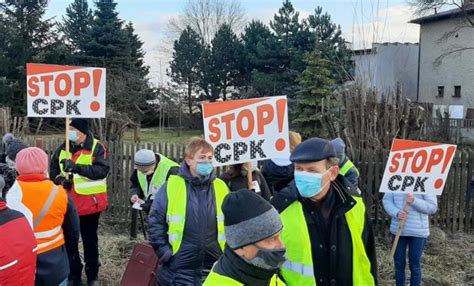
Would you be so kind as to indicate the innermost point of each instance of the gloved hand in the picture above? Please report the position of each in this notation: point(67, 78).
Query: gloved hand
point(67, 184)
point(146, 206)
point(69, 166)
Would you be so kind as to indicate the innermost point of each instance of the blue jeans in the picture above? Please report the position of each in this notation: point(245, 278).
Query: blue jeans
point(415, 247)
point(64, 283)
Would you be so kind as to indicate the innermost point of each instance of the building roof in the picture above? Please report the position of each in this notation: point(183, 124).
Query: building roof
point(453, 13)
point(373, 50)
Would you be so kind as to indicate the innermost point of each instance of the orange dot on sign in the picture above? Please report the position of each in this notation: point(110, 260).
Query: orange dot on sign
point(280, 144)
point(95, 106)
point(438, 183)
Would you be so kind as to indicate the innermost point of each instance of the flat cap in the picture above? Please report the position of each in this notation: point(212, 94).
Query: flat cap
point(313, 150)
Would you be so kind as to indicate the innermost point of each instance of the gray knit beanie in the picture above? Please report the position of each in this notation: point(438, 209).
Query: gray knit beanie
point(248, 218)
point(144, 158)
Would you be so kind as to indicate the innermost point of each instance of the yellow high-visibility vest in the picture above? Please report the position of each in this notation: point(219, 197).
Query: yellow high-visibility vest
point(158, 179)
point(216, 279)
point(298, 270)
point(83, 185)
point(176, 211)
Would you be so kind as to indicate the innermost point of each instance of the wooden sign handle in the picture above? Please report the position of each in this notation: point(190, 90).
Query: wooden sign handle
point(67, 138)
point(399, 231)
point(248, 166)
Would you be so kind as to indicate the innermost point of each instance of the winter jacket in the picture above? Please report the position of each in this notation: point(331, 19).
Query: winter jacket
point(135, 188)
point(331, 241)
point(417, 223)
point(240, 182)
point(53, 265)
point(352, 175)
point(278, 173)
point(199, 249)
point(17, 249)
point(85, 204)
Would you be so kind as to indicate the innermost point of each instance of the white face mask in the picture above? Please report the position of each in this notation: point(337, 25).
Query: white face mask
point(10, 163)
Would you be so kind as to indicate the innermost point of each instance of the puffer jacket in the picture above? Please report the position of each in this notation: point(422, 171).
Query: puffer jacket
point(17, 248)
point(278, 173)
point(199, 249)
point(417, 223)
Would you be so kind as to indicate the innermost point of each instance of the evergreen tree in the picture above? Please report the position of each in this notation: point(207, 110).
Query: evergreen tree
point(295, 40)
point(136, 52)
point(109, 44)
point(26, 37)
point(328, 40)
point(317, 88)
point(76, 27)
point(227, 60)
point(265, 59)
point(207, 76)
point(184, 67)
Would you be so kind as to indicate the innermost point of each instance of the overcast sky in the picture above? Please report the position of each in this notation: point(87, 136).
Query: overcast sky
point(362, 21)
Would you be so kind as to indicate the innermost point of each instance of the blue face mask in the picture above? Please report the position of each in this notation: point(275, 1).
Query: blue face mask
point(204, 169)
point(73, 135)
point(309, 184)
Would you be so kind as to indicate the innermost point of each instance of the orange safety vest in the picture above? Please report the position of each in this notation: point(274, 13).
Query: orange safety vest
point(48, 204)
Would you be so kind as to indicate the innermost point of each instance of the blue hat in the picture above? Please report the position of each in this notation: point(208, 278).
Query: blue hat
point(313, 150)
point(339, 145)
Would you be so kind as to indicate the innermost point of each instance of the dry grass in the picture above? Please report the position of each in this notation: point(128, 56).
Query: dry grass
point(448, 261)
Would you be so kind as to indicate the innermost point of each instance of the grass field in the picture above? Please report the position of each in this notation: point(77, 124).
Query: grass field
point(147, 135)
point(167, 135)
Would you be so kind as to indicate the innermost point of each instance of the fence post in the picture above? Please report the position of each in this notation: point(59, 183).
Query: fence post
point(133, 224)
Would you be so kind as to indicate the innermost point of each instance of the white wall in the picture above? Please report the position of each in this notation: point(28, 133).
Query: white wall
point(455, 69)
point(387, 65)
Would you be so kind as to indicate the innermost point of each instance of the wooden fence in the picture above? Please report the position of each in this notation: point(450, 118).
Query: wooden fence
point(456, 205)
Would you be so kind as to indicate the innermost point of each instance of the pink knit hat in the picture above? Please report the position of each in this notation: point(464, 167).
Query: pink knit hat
point(32, 160)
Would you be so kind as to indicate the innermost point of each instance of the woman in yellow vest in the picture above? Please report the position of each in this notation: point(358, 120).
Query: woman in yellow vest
point(186, 225)
point(254, 251)
point(83, 173)
point(326, 231)
point(151, 172)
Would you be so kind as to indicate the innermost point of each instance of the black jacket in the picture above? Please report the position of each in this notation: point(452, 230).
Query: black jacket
point(99, 170)
point(331, 242)
point(233, 266)
point(352, 176)
point(277, 177)
point(199, 249)
point(240, 182)
point(135, 188)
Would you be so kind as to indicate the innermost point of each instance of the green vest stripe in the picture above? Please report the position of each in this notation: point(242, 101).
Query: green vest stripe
point(158, 179)
point(347, 166)
point(83, 185)
point(176, 212)
point(298, 270)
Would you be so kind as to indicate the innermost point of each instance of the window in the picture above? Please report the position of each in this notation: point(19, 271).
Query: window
point(440, 91)
point(457, 91)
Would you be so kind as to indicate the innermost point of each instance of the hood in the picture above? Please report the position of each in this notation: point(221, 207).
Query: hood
point(185, 173)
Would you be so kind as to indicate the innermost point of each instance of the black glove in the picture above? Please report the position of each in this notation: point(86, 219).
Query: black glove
point(146, 206)
point(67, 184)
point(69, 166)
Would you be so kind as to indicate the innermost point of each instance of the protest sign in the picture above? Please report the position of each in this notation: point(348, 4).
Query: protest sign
point(417, 167)
point(247, 130)
point(65, 91)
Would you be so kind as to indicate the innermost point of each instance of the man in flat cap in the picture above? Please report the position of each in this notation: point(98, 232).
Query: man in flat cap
point(151, 172)
point(326, 231)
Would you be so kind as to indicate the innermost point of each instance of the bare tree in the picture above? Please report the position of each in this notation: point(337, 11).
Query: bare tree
point(206, 16)
point(424, 7)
